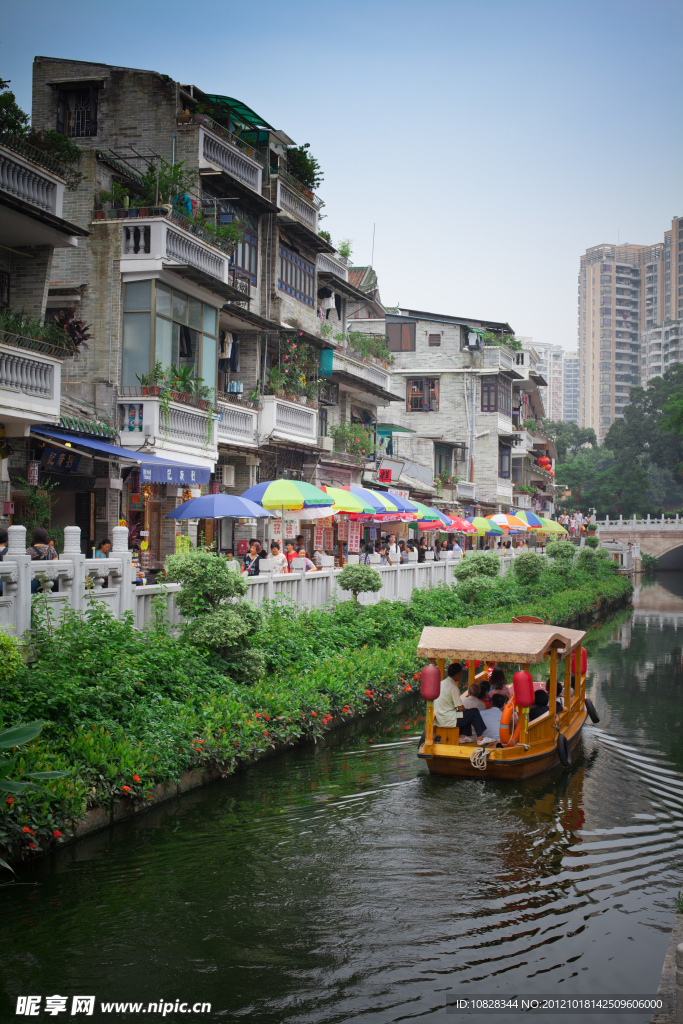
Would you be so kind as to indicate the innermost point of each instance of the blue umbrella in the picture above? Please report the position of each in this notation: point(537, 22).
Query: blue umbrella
point(218, 506)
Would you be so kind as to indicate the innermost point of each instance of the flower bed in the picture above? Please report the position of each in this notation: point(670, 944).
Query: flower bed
point(130, 713)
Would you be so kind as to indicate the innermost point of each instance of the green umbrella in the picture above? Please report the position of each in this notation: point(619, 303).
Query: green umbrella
point(484, 527)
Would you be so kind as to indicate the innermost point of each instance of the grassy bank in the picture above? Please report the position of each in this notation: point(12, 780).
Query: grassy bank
point(126, 710)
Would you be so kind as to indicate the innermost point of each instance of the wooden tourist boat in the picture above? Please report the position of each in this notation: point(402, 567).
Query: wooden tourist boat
point(527, 643)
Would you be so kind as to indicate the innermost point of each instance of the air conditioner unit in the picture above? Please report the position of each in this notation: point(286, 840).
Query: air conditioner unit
point(326, 443)
point(225, 475)
point(467, 491)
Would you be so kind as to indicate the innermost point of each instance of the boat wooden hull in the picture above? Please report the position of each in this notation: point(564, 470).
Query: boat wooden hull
point(506, 763)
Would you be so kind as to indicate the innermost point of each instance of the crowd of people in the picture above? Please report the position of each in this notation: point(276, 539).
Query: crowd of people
point(477, 712)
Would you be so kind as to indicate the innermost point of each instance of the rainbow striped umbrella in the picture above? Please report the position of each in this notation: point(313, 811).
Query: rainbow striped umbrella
point(428, 522)
point(288, 494)
point(508, 522)
point(532, 521)
point(550, 526)
point(344, 501)
point(458, 525)
point(484, 527)
point(387, 507)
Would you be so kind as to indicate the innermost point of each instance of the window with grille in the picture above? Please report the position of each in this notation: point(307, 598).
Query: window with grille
point(400, 337)
point(434, 340)
point(245, 255)
point(504, 461)
point(296, 276)
point(77, 112)
point(443, 460)
point(422, 395)
point(4, 288)
point(496, 395)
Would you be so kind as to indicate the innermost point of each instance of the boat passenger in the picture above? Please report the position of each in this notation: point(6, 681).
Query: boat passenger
point(470, 699)
point(448, 710)
point(492, 716)
point(484, 695)
point(498, 683)
point(540, 706)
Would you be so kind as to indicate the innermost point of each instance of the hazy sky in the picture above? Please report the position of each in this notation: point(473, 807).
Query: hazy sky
point(490, 142)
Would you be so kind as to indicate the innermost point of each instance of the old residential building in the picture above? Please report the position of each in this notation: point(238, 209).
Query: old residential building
point(162, 286)
point(32, 227)
point(464, 406)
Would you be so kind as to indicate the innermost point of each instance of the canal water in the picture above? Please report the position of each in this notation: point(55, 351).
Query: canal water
point(343, 883)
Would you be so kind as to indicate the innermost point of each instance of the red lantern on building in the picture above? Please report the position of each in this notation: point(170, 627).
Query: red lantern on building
point(430, 682)
point(523, 685)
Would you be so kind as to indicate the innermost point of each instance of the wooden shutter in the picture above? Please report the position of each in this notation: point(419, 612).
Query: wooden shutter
point(393, 336)
point(407, 337)
point(434, 340)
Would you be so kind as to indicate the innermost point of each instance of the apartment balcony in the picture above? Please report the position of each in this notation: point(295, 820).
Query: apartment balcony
point(358, 375)
point(159, 238)
point(329, 264)
point(31, 196)
point(187, 431)
point(296, 204)
point(504, 491)
point(283, 421)
point(221, 151)
point(236, 425)
point(29, 385)
point(466, 491)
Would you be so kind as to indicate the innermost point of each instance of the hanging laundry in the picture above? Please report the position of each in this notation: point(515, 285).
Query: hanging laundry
point(338, 305)
point(235, 353)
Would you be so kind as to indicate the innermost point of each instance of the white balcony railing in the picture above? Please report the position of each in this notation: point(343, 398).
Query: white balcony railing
point(159, 238)
point(29, 386)
point(185, 430)
point(328, 264)
point(296, 206)
point(219, 153)
point(236, 425)
point(466, 491)
point(343, 364)
point(279, 418)
point(29, 182)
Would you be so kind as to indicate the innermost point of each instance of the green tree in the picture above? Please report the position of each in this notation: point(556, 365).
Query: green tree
point(304, 167)
point(648, 427)
point(13, 120)
point(569, 437)
point(528, 568)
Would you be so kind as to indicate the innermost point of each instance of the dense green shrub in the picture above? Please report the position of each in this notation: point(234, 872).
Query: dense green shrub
point(561, 550)
point(528, 568)
point(10, 659)
point(478, 564)
point(592, 542)
point(359, 579)
point(648, 563)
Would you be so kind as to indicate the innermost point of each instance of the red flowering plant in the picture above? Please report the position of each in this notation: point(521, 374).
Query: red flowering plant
point(296, 372)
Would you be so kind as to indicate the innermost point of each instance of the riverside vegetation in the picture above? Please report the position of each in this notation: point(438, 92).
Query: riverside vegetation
point(125, 709)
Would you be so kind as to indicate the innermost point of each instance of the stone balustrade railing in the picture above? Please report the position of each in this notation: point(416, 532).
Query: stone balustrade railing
point(24, 183)
point(648, 523)
point(25, 374)
point(80, 583)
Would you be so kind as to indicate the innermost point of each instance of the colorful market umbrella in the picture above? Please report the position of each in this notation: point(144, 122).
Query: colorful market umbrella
point(532, 521)
point(458, 525)
point(218, 506)
point(427, 515)
point(550, 526)
point(344, 501)
point(288, 494)
point(484, 527)
point(508, 522)
point(426, 524)
point(387, 507)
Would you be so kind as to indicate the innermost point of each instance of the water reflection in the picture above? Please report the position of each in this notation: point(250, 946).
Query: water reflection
point(342, 883)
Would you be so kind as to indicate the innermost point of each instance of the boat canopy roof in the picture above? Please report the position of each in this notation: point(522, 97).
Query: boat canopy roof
point(498, 641)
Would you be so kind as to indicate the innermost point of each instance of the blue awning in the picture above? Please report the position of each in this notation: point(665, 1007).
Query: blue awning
point(153, 470)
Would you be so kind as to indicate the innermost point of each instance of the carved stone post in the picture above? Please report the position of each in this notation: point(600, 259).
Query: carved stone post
point(72, 553)
point(120, 550)
point(16, 552)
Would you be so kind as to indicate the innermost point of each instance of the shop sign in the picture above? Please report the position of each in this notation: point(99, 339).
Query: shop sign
point(173, 475)
point(329, 538)
point(57, 461)
point(343, 530)
point(242, 547)
point(400, 494)
point(32, 473)
point(354, 538)
point(318, 538)
point(389, 470)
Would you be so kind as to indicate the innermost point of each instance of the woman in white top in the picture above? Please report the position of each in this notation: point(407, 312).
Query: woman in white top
point(279, 560)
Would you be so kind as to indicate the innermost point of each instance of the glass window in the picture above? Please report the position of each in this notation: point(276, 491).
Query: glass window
point(138, 295)
point(209, 320)
point(163, 299)
point(209, 361)
point(194, 317)
point(180, 307)
point(443, 459)
point(164, 341)
point(136, 346)
point(422, 395)
point(400, 337)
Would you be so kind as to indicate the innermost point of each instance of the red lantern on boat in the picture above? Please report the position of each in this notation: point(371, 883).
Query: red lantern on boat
point(430, 682)
point(523, 684)
point(584, 661)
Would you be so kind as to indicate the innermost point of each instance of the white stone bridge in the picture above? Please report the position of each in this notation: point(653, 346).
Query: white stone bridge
point(662, 537)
